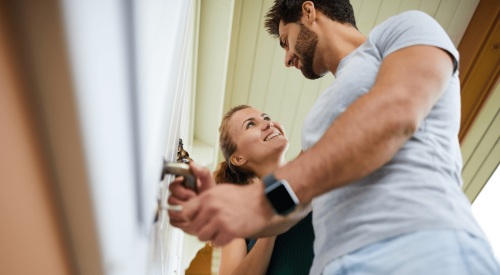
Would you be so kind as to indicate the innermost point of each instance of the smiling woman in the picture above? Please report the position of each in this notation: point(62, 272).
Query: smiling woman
point(253, 146)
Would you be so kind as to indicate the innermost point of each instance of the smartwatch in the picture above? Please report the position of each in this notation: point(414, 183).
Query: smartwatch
point(281, 196)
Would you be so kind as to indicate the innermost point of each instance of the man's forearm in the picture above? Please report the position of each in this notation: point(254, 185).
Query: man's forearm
point(356, 144)
point(375, 126)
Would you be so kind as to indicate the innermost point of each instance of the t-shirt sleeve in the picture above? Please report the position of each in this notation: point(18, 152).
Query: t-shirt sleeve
point(413, 28)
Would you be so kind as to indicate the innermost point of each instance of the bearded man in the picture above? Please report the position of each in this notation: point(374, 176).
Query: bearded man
point(381, 160)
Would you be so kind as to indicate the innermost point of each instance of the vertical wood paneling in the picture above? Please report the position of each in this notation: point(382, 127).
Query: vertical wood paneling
point(407, 5)
point(233, 54)
point(290, 98)
point(263, 62)
point(356, 5)
point(307, 99)
point(481, 125)
point(461, 20)
point(488, 167)
point(250, 18)
point(276, 85)
point(388, 8)
point(368, 15)
point(483, 149)
point(430, 6)
point(446, 11)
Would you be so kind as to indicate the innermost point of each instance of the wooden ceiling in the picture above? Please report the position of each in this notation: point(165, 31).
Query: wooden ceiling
point(256, 73)
point(480, 75)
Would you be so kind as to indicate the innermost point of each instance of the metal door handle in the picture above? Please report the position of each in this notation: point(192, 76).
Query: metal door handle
point(181, 169)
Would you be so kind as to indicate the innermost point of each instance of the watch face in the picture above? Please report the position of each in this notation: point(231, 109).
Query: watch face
point(280, 199)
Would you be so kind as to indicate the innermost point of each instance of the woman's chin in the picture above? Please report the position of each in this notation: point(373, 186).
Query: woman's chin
point(281, 143)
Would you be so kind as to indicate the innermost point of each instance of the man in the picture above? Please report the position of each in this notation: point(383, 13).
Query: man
point(381, 160)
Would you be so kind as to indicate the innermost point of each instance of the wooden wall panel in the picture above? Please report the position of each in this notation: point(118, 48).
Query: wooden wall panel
point(247, 42)
point(365, 18)
point(276, 87)
point(261, 69)
point(290, 99)
point(387, 9)
point(480, 64)
point(233, 55)
point(407, 5)
point(446, 11)
point(460, 20)
point(482, 124)
point(429, 6)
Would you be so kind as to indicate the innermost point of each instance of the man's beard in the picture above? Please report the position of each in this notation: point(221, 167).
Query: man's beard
point(307, 42)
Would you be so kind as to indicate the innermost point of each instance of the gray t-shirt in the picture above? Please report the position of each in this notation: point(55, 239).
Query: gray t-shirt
point(420, 187)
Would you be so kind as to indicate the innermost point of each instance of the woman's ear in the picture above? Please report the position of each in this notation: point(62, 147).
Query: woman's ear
point(238, 160)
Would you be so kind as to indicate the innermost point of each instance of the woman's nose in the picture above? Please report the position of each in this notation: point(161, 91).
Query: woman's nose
point(268, 124)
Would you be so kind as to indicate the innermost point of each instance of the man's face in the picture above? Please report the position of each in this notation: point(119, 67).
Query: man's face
point(300, 45)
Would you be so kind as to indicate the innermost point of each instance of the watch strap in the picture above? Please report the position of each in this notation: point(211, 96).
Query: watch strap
point(269, 180)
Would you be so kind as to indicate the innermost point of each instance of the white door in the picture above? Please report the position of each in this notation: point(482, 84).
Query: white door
point(130, 63)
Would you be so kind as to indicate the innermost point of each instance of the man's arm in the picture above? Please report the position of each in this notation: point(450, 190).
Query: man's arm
point(362, 139)
point(375, 126)
point(180, 194)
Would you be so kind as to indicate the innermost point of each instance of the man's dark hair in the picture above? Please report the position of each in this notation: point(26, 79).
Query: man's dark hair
point(290, 11)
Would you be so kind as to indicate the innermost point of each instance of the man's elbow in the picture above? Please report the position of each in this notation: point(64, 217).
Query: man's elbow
point(405, 119)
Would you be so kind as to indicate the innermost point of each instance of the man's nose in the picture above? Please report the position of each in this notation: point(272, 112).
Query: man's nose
point(288, 60)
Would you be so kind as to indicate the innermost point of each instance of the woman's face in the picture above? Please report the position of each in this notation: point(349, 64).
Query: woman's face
point(259, 140)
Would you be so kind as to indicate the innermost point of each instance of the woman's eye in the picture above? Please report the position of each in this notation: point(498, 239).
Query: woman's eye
point(267, 118)
point(250, 124)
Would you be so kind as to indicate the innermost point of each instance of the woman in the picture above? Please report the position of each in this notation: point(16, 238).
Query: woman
point(253, 146)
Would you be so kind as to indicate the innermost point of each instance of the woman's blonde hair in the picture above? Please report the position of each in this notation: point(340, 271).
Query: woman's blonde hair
point(227, 172)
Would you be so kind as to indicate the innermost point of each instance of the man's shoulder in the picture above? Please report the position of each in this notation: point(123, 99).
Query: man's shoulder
point(404, 19)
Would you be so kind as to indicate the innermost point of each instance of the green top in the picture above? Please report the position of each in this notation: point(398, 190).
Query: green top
point(293, 250)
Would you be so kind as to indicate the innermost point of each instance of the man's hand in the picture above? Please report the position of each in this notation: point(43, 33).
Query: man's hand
point(180, 194)
point(225, 212)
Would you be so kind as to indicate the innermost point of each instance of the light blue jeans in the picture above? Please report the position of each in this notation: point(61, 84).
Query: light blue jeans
point(423, 252)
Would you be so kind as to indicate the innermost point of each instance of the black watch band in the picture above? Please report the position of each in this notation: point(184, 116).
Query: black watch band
point(280, 195)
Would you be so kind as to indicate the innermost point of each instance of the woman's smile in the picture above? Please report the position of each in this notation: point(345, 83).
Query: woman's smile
point(272, 134)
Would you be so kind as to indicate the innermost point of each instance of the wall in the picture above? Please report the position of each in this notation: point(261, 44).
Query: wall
point(31, 238)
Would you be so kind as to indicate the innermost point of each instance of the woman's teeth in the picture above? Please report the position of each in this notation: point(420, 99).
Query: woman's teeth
point(271, 136)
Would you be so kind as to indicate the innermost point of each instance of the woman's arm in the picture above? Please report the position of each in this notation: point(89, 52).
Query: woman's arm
point(235, 260)
point(279, 224)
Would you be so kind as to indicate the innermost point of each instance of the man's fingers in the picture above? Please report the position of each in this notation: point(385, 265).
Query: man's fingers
point(179, 191)
point(222, 239)
point(176, 216)
point(172, 200)
point(203, 174)
point(207, 232)
point(184, 226)
point(191, 208)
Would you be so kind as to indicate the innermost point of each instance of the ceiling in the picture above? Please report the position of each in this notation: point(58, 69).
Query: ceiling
point(256, 74)
point(481, 148)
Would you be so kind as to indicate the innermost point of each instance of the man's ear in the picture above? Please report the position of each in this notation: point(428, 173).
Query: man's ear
point(309, 11)
point(238, 160)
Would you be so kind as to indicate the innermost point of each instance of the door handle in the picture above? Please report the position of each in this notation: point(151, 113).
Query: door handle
point(181, 168)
